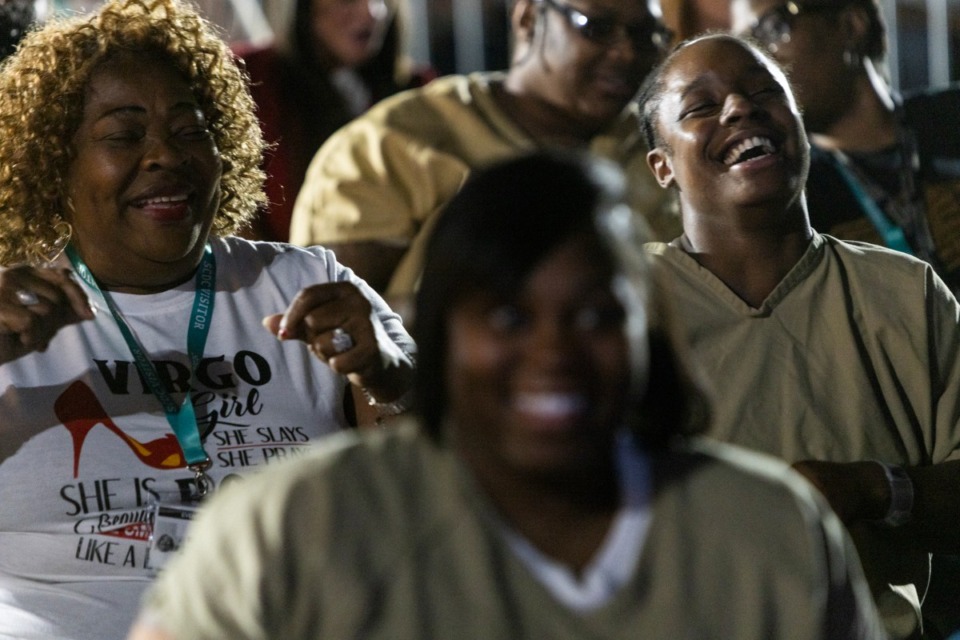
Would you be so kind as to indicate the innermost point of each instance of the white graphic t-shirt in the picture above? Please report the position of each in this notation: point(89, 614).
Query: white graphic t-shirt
point(85, 446)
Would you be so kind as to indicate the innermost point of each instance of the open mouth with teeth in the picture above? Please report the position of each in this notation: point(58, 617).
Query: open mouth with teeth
point(161, 201)
point(165, 209)
point(552, 405)
point(551, 412)
point(749, 149)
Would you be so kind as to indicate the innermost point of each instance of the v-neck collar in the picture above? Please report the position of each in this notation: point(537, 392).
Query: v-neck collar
point(808, 262)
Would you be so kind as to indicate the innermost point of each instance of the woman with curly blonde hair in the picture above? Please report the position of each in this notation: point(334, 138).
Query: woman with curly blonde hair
point(42, 96)
point(137, 366)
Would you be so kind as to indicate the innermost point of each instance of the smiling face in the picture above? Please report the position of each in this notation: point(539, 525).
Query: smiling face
point(350, 32)
point(730, 129)
point(143, 186)
point(538, 383)
point(591, 81)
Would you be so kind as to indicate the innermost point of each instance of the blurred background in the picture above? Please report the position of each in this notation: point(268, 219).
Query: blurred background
point(458, 36)
point(463, 35)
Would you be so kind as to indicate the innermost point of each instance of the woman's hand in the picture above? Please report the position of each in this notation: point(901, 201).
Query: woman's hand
point(35, 303)
point(337, 323)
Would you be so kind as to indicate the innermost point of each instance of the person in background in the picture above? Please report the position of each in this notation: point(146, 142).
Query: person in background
point(883, 169)
point(330, 60)
point(842, 358)
point(375, 188)
point(550, 486)
point(135, 370)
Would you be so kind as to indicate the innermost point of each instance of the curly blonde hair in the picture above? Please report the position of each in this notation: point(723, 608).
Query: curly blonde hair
point(42, 93)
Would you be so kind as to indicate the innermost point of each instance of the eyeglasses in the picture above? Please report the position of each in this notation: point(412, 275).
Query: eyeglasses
point(773, 28)
point(648, 36)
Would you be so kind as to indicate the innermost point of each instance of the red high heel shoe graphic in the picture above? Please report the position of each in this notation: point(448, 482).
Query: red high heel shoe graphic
point(80, 411)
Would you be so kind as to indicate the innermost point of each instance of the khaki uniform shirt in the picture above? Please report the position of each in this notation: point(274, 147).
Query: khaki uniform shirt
point(386, 175)
point(854, 356)
point(386, 536)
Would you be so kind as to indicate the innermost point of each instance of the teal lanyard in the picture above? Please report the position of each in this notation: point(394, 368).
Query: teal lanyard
point(893, 236)
point(182, 419)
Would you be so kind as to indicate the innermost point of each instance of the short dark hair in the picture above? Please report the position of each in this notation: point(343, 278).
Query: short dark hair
point(504, 222)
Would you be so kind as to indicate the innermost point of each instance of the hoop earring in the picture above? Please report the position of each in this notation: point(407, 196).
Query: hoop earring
point(851, 58)
point(50, 252)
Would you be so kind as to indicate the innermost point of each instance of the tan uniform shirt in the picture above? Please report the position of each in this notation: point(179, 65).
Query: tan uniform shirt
point(385, 536)
point(854, 356)
point(386, 175)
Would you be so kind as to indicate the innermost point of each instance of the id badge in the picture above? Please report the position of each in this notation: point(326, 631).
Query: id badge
point(172, 515)
point(171, 520)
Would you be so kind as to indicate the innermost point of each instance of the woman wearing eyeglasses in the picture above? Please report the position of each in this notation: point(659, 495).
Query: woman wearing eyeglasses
point(883, 169)
point(374, 188)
